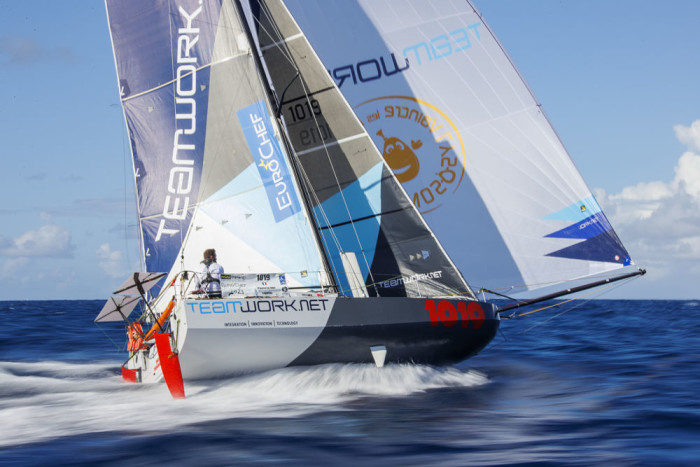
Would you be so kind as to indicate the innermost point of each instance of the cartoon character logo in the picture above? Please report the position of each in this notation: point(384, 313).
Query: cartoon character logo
point(400, 157)
point(431, 167)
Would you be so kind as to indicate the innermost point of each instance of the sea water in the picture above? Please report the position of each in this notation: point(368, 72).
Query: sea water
point(586, 383)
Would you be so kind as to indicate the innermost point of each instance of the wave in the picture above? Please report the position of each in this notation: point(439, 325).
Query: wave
point(51, 399)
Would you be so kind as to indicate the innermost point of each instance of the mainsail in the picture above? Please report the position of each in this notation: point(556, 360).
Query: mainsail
point(359, 208)
point(475, 152)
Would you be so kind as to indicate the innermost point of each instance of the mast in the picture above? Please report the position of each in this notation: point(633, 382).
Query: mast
point(290, 151)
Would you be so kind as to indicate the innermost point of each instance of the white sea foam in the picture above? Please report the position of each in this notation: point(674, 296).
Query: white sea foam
point(45, 400)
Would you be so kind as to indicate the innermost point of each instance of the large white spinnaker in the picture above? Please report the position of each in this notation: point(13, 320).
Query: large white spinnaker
point(466, 137)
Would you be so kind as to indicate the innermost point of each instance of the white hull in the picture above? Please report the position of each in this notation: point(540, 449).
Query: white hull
point(218, 338)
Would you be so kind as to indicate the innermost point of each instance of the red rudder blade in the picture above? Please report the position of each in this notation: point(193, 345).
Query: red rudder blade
point(170, 365)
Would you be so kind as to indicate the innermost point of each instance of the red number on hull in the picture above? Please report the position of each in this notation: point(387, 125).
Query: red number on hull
point(445, 313)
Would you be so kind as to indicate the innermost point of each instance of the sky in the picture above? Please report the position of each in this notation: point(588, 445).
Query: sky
point(617, 79)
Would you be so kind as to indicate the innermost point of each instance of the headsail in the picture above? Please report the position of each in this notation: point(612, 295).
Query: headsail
point(359, 207)
point(475, 152)
point(210, 169)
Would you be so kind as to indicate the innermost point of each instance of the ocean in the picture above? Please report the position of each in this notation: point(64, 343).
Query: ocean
point(605, 382)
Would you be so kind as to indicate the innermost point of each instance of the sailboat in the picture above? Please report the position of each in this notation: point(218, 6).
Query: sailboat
point(351, 163)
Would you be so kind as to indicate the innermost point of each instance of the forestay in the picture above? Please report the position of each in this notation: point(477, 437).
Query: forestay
point(463, 133)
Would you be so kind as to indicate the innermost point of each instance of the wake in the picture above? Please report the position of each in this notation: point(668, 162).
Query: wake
point(45, 400)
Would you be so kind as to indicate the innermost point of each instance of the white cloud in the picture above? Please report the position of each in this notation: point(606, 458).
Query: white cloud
point(689, 136)
point(688, 174)
point(49, 240)
point(110, 261)
point(15, 268)
point(659, 221)
point(652, 191)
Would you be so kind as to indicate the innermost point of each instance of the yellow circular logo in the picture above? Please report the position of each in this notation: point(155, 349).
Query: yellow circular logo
point(419, 143)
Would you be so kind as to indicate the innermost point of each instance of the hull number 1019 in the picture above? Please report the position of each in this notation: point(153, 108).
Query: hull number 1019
point(444, 312)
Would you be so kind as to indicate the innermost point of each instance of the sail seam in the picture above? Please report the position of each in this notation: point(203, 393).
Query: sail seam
point(206, 202)
point(167, 83)
point(358, 219)
point(283, 41)
point(306, 96)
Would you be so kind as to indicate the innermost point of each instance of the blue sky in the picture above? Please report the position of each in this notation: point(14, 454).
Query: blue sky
point(618, 80)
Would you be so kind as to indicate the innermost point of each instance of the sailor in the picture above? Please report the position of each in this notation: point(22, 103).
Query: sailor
point(209, 280)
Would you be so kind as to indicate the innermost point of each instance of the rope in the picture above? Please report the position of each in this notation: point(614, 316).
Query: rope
point(597, 292)
point(116, 346)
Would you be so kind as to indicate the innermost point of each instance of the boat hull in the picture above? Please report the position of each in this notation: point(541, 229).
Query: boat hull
point(217, 338)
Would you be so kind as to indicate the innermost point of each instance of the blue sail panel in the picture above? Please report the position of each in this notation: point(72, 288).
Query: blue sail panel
point(163, 50)
point(589, 227)
point(160, 254)
point(347, 236)
point(603, 248)
point(156, 41)
point(576, 211)
point(361, 201)
point(167, 140)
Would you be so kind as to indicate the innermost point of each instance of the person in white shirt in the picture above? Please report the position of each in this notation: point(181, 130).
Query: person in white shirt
point(209, 280)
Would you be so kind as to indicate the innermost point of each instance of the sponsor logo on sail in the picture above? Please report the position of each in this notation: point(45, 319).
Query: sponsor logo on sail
point(443, 45)
point(270, 160)
point(420, 144)
point(416, 54)
point(408, 279)
point(181, 173)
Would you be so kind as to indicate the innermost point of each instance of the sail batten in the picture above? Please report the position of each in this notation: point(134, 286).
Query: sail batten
point(360, 219)
point(325, 147)
point(184, 75)
point(286, 40)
